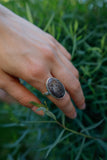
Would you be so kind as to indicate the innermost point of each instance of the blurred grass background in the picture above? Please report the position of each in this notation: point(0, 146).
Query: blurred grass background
point(80, 26)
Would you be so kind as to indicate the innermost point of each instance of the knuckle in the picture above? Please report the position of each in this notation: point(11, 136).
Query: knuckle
point(22, 100)
point(76, 86)
point(69, 56)
point(49, 54)
point(35, 70)
point(51, 38)
point(53, 46)
point(6, 80)
point(82, 100)
point(76, 73)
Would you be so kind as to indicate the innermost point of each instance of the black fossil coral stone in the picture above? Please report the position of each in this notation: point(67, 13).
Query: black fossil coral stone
point(55, 88)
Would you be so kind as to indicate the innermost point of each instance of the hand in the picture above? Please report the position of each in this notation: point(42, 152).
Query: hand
point(28, 53)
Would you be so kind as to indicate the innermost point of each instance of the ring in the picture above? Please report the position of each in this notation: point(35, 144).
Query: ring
point(54, 88)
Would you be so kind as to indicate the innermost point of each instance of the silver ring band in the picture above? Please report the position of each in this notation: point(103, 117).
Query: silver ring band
point(46, 94)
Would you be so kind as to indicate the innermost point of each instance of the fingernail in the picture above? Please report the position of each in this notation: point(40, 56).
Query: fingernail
point(34, 109)
point(83, 106)
point(73, 115)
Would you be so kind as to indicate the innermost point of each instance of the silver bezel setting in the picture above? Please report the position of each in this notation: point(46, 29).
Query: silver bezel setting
point(48, 90)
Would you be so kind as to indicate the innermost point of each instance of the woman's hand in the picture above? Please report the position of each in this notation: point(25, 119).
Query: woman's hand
point(28, 53)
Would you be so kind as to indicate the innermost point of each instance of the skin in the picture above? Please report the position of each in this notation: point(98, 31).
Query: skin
point(29, 53)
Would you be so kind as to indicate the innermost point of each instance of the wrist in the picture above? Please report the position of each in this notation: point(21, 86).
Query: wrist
point(4, 11)
point(5, 16)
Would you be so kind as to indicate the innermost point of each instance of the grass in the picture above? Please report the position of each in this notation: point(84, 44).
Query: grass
point(82, 29)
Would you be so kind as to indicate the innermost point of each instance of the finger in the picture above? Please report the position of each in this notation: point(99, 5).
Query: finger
point(63, 54)
point(64, 51)
point(5, 97)
point(21, 94)
point(55, 44)
point(64, 103)
point(69, 65)
point(71, 84)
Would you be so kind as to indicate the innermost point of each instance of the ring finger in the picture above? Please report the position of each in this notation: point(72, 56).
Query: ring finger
point(63, 103)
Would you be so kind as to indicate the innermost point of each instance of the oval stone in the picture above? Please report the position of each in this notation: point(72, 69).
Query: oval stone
point(55, 88)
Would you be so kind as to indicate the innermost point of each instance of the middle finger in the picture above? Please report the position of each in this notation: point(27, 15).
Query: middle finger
point(71, 84)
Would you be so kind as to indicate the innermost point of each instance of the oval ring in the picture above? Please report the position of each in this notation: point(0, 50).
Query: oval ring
point(54, 88)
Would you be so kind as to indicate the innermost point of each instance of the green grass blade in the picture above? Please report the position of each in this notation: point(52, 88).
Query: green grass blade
point(80, 151)
point(55, 143)
point(49, 22)
point(28, 12)
point(93, 126)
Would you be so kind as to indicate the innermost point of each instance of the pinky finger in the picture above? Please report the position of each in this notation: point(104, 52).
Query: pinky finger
point(22, 94)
